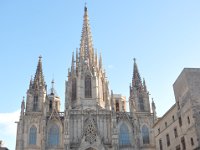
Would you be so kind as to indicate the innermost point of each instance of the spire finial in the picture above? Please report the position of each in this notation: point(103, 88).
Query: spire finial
point(52, 87)
point(85, 6)
point(40, 57)
point(134, 59)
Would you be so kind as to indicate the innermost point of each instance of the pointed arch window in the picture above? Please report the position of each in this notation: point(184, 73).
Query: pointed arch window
point(53, 136)
point(35, 103)
point(141, 103)
point(50, 105)
point(88, 87)
point(124, 137)
point(74, 89)
point(145, 134)
point(32, 135)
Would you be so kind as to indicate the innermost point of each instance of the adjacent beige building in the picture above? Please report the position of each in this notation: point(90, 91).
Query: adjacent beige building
point(179, 128)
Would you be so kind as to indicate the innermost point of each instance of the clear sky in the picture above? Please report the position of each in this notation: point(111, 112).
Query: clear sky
point(164, 37)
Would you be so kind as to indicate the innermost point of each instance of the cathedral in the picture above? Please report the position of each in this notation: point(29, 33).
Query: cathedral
point(94, 118)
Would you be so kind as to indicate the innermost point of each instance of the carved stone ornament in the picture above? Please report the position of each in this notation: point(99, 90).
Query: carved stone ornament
point(90, 131)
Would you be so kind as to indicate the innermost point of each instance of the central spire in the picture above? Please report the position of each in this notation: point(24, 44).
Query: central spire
point(86, 46)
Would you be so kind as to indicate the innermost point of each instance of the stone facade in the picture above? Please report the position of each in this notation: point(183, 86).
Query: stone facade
point(179, 128)
point(93, 118)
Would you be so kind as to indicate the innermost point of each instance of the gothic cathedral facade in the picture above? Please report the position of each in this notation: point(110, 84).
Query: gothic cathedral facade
point(93, 117)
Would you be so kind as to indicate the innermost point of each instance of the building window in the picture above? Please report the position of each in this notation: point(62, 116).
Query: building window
point(160, 144)
point(173, 118)
point(168, 140)
point(124, 138)
point(180, 121)
point(117, 106)
point(50, 105)
point(32, 135)
point(53, 136)
point(158, 130)
point(165, 124)
point(88, 87)
point(175, 132)
point(178, 147)
point(192, 141)
point(35, 103)
point(141, 103)
point(188, 119)
point(183, 143)
point(74, 89)
point(145, 134)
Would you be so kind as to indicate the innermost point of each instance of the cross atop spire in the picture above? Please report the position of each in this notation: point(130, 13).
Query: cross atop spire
point(39, 78)
point(86, 46)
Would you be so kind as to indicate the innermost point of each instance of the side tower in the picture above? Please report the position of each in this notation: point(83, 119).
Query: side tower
point(139, 96)
point(140, 108)
point(29, 129)
point(87, 86)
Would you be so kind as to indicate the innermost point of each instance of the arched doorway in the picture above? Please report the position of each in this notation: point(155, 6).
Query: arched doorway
point(90, 148)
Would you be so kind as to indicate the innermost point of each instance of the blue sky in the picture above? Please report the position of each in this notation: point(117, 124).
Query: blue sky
point(164, 37)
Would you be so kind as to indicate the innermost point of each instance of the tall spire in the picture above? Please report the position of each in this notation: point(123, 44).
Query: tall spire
point(86, 46)
point(39, 78)
point(136, 80)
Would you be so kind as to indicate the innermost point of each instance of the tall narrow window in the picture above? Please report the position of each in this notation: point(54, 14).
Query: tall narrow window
point(88, 87)
point(158, 130)
point(168, 140)
point(180, 121)
point(32, 135)
point(173, 118)
point(192, 141)
point(73, 89)
point(35, 103)
point(124, 138)
point(183, 143)
point(117, 106)
point(141, 103)
point(175, 132)
point(50, 106)
point(53, 136)
point(160, 144)
point(165, 124)
point(188, 118)
point(145, 134)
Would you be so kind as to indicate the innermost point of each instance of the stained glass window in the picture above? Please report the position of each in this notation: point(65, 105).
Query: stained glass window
point(53, 136)
point(32, 135)
point(145, 134)
point(124, 138)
